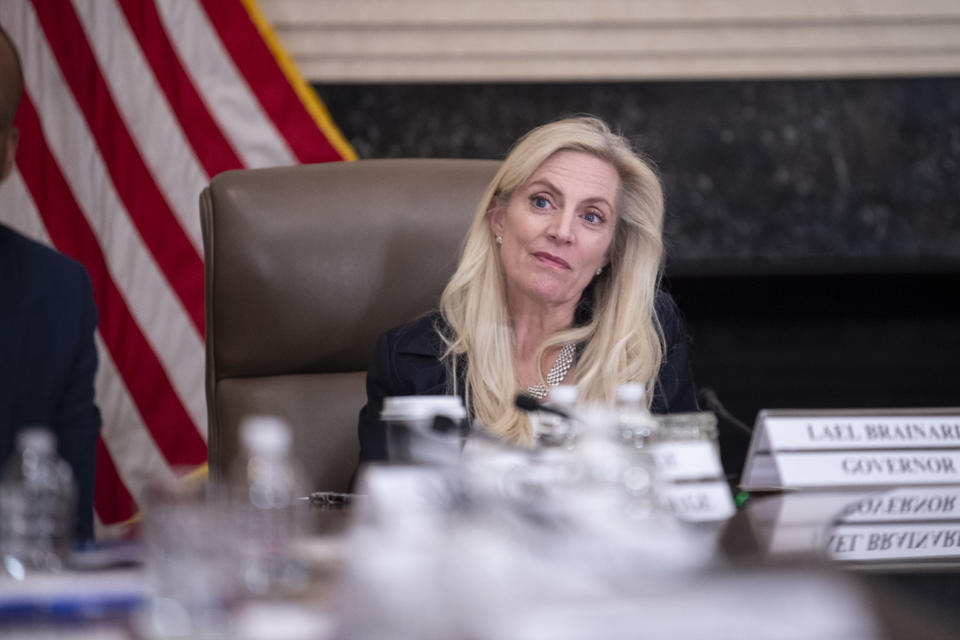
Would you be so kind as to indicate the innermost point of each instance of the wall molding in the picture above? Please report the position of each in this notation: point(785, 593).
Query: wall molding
point(426, 41)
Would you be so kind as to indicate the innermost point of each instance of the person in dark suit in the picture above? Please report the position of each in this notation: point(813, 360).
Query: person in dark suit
point(48, 358)
point(558, 283)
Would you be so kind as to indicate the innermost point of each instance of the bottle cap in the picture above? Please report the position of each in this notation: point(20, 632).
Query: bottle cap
point(631, 392)
point(563, 394)
point(265, 434)
point(37, 438)
point(402, 408)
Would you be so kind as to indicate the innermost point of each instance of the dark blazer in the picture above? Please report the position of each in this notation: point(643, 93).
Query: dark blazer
point(48, 358)
point(407, 362)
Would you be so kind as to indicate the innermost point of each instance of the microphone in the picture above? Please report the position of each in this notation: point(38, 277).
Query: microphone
point(530, 404)
point(709, 399)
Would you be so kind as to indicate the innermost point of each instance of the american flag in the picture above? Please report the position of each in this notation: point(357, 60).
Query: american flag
point(129, 108)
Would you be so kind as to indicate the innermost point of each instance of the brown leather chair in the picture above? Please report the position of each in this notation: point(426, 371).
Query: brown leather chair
point(305, 266)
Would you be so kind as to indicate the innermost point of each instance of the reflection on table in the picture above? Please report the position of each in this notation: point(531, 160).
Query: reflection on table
point(881, 529)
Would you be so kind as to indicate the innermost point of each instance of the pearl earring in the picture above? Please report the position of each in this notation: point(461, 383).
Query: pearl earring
point(499, 239)
point(599, 270)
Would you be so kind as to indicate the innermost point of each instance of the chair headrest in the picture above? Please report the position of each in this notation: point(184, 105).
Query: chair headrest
point(306, 265)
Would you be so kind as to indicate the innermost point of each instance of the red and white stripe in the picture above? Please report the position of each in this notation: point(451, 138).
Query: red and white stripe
point(232, 103)
point(129, 108)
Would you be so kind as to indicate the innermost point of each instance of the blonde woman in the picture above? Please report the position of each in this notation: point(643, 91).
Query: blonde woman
point(558, 282)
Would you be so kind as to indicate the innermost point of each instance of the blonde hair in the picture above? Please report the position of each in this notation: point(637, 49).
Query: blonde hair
point(623, 339)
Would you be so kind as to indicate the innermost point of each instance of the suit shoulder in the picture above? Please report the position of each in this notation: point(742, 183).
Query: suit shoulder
point(40, 259)
point(420, 336)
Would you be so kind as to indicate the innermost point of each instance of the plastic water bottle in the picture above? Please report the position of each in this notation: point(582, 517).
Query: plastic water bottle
point(635, 423)
point(270, 517)
point(637, 429)
point(597, 448)
point(37, 503)
point(552, 430)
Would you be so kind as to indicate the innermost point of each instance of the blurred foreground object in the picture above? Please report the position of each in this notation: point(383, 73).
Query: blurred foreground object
point(225, 559)
point(266, 511)
point(517, 544)
point(37, 498)
point(424, 429)
point(189, 562)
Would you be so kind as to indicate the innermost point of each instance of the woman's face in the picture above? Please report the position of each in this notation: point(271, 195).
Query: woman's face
point(557, 228)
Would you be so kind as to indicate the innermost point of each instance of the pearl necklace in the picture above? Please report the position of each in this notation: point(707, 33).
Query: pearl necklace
point(557, 373)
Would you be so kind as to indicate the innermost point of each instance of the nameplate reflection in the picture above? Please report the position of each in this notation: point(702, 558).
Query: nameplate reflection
point(902, 524)
point(894, 542)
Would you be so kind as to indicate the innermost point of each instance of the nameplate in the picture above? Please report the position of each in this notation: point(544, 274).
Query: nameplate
point(698, 501)
point(793, 449)
point(874, 432)
point(852, 543)
point(873, 468)
point(687, 460)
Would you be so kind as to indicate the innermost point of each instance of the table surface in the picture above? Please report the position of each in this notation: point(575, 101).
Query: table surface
point(912, 597)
